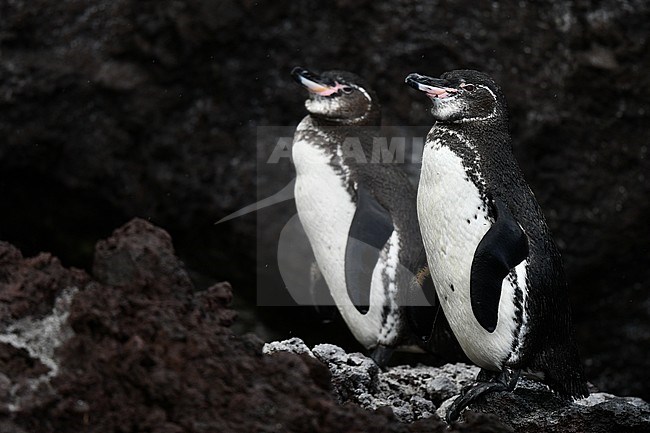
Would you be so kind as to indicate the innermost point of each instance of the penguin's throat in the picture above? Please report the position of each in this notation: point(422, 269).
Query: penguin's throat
point(326, 113)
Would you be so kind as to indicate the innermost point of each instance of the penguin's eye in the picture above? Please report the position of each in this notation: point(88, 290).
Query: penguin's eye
point(469, 87)
point(347, 89)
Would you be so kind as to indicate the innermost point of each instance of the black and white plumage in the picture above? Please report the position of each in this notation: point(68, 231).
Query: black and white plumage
point(495, 266)
point(359, 215)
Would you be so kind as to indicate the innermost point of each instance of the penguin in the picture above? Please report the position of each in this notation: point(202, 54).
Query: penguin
point(495, 267)
point(359, 215)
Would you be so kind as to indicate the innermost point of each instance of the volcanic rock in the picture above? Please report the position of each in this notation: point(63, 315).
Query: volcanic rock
point(136, 347)
point(420, 392)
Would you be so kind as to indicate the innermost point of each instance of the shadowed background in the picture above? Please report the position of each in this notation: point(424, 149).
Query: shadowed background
point(122, 108)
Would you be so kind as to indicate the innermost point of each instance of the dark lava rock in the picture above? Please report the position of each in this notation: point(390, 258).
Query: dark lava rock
point(137, 348)
point(413, 393)
point(31, 285)
point(111, 109)
point(532, 408)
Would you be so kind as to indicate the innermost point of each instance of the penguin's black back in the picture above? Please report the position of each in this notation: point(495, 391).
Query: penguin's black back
point(387, 182)
point(390, 186)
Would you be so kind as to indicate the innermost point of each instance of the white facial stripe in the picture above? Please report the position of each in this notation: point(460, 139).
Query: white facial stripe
point(367, 96)
point(489, 90)
point(363, 91)
point(489, 116)
point(446, 107)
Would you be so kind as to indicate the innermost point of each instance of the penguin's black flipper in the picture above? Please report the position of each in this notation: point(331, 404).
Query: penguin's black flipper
point(503, 247)
point(371, 227)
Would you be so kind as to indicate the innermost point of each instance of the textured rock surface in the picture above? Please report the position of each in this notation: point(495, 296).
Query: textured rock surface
point(531, 408)
point(419, 392)
point(111, 109)
point(145, 350)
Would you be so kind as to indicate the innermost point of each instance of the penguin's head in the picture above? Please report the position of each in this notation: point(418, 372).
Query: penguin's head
point(462, 96)
point(338, 97)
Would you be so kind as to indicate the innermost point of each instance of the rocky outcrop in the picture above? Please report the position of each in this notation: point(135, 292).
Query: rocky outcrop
point(136, 347)
point(420, 392)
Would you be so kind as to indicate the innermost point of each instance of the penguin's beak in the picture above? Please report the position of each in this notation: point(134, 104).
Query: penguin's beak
point(435, 88)
point(313, 82)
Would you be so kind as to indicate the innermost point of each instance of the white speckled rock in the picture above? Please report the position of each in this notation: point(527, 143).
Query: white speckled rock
point(293, 345)
point(420, 392)
point(354, 375)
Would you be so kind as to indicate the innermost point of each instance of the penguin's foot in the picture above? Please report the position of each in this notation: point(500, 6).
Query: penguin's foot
point(486, 382)
point(381, 355)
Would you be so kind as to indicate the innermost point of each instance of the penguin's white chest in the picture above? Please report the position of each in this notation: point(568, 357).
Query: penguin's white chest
point(453, 220)
point(326, 210)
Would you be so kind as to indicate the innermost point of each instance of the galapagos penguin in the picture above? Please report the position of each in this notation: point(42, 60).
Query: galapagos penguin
point(359, 215)
point(496, 269)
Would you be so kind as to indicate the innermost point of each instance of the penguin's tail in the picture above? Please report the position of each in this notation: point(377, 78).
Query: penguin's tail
point(563, 371)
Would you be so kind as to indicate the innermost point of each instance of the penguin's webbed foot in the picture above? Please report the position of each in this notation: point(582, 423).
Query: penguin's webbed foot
point(486, 382)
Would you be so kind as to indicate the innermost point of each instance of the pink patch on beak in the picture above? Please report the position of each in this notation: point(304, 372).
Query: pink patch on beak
point(318, 88)
point(438, 92)
point(328, 90)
